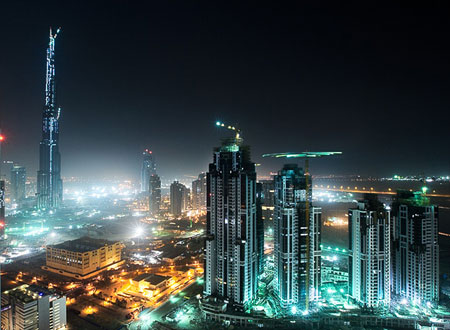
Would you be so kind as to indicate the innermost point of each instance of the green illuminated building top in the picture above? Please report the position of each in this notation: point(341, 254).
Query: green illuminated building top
point(230, 144)
point(304, 154)
point(416, 198)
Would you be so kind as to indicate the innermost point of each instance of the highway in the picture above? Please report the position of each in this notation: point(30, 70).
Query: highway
point(371, 191)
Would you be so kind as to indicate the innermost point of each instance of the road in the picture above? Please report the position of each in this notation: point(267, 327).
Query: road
point(146, 317)
point(370, 191)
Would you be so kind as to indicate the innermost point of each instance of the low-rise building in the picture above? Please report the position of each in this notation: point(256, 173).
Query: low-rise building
point(33, 307)
point(150, 284)
point(83, 257)
point(173, 254)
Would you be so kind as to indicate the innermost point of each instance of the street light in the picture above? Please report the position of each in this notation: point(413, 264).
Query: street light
point(139, 231)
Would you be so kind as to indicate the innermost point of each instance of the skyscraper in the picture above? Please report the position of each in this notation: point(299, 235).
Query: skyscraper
point(178, 196)
point(2, 208)
point(268, 199)
point(154, 195)
point(369, 262)
point(415, 251)
point(231, 243)
point(259, 227)
point(186, 199)
point(199, 192)
point(49, 183)
point(296, 239)
point(315, 263)
point(32, 307)
point(147, 170)
point(18, 180)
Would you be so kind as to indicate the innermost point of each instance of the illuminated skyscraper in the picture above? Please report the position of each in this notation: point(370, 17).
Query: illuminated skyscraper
point(18, 180)
point(296, 240)
point(415, 252)
point(186, 199)
point(231, 244)
point(154, 195)
point(148, 169)
point(315, 263)
point(2, 208)
point(268, 200)
point(179, 196)
point(32, 307)
point(49, 183)
point(199, 192)
point(259, 227)
point(2, 197)
point(369, 262)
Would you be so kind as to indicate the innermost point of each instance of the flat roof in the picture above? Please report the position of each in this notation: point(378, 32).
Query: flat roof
point(173, 252)
point(83, 244)
point(28, 293)
point(153, 279)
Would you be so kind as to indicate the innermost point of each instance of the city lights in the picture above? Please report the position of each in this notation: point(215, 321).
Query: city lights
point(131, 206)
point(139, 232)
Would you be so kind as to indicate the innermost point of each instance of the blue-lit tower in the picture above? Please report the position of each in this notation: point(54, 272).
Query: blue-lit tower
point(49, 183)
point(296, 240)
point(18, 182)
point(369, 226)
point(415, 250)
point(148, 169)
point(297, 234)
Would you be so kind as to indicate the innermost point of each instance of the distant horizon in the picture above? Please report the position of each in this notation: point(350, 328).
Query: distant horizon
point(354, 78)
point(189, 177)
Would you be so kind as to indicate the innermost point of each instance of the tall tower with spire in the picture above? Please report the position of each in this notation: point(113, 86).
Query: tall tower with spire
point(49, 183)
point(231, 246)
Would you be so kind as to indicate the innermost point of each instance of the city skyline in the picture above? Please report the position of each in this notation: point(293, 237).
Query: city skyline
point(304, 64)
point(167, 173)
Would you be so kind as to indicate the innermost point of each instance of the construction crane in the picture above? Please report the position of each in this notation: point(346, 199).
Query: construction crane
point(306, 155)
point(231, 128)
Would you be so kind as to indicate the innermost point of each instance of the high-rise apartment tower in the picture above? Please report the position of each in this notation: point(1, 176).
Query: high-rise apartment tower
point(231, 245)
point(296, 239)
point(154, 195)
point(18, 180)
point(415, 251)
point(369, 261)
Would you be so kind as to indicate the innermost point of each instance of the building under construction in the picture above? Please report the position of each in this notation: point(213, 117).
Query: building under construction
point(49, 183)
point(297, 252)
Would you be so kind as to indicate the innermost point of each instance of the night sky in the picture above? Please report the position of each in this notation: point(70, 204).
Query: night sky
point(372, 82)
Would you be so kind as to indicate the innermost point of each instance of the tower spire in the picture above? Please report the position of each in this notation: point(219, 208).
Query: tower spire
point(49, 183)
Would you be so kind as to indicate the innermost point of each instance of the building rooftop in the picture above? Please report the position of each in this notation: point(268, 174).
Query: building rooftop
point(416, 198)
point(83, 244)
point(172, 252)
point(153, 279)
point(28, 293)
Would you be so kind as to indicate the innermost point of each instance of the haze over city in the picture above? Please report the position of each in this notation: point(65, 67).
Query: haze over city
point(200, 165)
point(364, 79)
